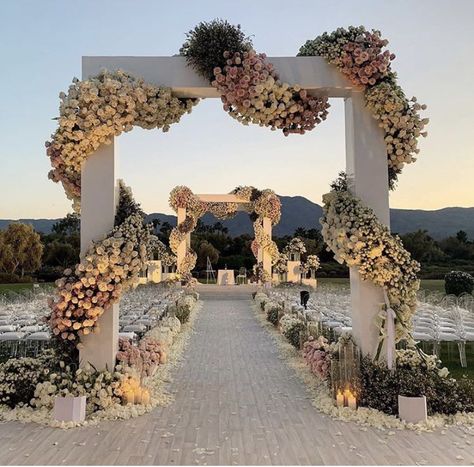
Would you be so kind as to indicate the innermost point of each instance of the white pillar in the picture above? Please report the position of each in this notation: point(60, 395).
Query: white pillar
point(366, 168)
point(99, 196)
point(265, 255)
point(181, 216)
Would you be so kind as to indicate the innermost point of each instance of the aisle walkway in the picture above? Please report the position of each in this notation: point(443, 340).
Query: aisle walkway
point(236, 403)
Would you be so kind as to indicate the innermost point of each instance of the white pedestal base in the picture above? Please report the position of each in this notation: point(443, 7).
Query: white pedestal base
point(70, 409)
point(412, 409)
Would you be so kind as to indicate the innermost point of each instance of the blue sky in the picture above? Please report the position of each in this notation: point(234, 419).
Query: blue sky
point(42, 42)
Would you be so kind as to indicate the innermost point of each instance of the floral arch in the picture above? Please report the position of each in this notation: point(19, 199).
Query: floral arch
point(282, 93)
point(264, 208)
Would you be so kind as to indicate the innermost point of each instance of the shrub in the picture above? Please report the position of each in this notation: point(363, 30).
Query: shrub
point(272, 316)
point(206, 43)
point(458, 282)
point(294, 334)
point(292, 328)
point(380, 388)
point(19, 377)
point(9, 278)
point(182, 313)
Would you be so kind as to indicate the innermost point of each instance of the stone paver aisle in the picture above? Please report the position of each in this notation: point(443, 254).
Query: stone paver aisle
point(236, 403)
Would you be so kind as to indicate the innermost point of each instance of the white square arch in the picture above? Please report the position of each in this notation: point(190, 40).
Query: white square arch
point(366, 167)
point(263, 255)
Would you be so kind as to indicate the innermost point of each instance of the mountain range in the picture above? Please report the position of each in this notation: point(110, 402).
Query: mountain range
point(298, 211)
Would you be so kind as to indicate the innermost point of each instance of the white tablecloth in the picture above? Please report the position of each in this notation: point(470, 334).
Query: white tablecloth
point(225, 277)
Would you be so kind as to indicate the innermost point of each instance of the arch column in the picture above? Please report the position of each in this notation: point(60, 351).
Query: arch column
point(99, 197)
point(263, 255)
point(186, 243)
point(367, 176)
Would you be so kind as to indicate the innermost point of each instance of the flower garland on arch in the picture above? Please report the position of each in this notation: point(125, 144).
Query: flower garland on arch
point(357, 238)
point(359, 55)
point(109, 267)
point(259, 204)
point(95, 110)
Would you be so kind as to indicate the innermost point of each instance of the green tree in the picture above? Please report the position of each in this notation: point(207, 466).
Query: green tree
point(67, 226)
point(204, 251)
point(60, 254)
point(422, 247)
point(462, 236)
point(21, 249)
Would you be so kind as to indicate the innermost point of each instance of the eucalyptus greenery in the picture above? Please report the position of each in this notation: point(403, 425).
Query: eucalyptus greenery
point(206, 43)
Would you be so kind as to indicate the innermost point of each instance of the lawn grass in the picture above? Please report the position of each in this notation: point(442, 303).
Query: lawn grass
point(5, 288)
point(434, 285)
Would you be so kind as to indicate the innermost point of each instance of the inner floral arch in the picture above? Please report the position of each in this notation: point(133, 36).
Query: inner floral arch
point(259, 205)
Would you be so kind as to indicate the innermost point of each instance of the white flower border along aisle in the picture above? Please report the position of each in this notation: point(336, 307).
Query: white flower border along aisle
point(259, 204)
point(320, 394)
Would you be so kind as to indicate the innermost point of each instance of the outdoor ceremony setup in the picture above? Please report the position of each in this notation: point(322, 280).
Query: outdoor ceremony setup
point(102, 345)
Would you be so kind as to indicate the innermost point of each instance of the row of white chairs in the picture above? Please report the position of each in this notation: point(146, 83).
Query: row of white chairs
point(437, 319)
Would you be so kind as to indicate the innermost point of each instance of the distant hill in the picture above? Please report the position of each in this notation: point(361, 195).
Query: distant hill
point(298, 211)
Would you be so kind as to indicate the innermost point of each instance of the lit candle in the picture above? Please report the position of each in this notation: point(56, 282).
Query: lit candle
point(145, 397)
point(347, 393)
point(340, 399)
point(138, 396)
point(351, 401)
point(129, 397)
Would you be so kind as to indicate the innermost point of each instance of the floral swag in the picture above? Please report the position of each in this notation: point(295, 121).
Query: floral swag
point(96, 109)
point(259, 204)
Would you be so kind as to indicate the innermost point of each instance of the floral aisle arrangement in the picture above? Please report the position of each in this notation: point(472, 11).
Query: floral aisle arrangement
point(106, 271)
point(368, 392)
point(280, 266)
point(317, 353)
point(295, 249)
point(259, 204)
point(29, 386)
point(353, 232)
point(312, 262)
point(292, 328)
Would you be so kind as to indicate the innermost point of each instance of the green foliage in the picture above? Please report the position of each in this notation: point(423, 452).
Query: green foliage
point(127, 205)
point(422, 247)
point(20, 249)
point(293, 334)
point(340, 183)
point(206, 43)
point(182, 313)
point(457, 283)
point(272, 316)
point(67, 226)
point(61, 254)
point(204, 251)
point(380, 387)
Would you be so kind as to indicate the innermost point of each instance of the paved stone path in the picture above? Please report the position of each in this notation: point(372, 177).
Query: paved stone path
point(236, 403)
